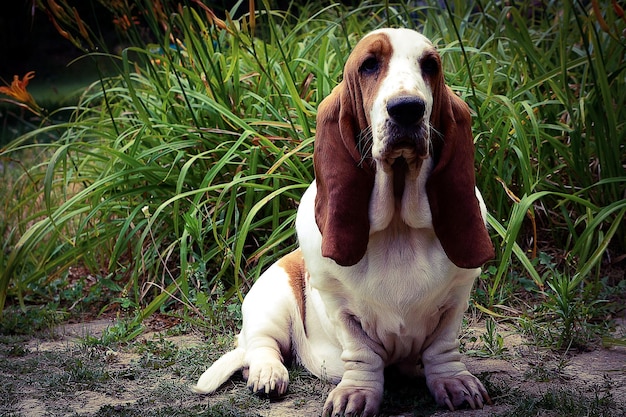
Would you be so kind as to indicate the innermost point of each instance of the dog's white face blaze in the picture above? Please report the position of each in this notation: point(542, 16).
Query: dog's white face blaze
point(404, 77)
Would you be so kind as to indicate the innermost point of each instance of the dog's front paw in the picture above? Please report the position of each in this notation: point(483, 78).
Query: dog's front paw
point(270, 377)
point(456, 390)
point(351, 401)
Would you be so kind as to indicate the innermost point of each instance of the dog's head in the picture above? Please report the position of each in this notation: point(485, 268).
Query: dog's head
point(391, 111)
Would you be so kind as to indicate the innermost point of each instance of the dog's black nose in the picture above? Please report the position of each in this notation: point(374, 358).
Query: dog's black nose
point(406, 110)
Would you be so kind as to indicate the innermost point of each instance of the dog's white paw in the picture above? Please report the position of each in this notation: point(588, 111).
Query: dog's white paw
point(351, 401)
point(456, 390)
point(269, 377)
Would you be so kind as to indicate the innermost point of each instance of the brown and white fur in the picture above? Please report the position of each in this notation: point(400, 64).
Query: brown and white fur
point(392, 236)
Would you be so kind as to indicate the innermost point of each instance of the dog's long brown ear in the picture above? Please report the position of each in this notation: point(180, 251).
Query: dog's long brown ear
point(450, 187)
point(344, 181)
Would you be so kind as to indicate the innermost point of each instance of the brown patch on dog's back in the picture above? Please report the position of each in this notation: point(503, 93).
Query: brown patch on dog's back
point(293, 264)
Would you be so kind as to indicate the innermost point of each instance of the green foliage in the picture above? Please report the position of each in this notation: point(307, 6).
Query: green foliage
point(531, 89)
point(157, 354)
point(568, 316)
point(31, 320)
point(493, 342)
point(179, 178)
point(122, 331)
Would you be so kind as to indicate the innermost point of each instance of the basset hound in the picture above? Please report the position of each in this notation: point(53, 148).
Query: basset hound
point(392, 235)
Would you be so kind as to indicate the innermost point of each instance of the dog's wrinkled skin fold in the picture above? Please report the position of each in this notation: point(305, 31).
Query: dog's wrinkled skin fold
point(392, 236)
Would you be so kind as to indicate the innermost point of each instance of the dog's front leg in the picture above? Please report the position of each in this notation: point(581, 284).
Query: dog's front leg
point(360, 390)
point(446, 376)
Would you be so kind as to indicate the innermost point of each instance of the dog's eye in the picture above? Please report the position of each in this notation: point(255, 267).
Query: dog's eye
point(369, 66)
point(430, 65)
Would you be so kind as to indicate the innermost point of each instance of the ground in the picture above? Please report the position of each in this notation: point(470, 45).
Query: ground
point(68, 371)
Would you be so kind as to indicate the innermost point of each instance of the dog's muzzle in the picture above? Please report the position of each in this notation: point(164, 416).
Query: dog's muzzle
point(407, 133)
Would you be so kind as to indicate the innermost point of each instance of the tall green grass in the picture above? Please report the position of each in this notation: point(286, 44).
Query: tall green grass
point(182, 174)
point(548, 89)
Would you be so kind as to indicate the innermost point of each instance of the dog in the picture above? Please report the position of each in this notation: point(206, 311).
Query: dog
point(391, 235)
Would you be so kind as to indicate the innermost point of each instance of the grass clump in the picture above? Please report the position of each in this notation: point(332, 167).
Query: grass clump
point(33, 319)
point(558, 402)
point(156, 354)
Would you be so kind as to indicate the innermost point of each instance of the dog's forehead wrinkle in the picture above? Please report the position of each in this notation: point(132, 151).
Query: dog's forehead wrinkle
point(406, 44)
point(372, 46)
point(411, 45)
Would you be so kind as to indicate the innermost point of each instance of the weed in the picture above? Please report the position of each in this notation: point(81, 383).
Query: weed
point(564, 320)
point(566, 314)
point(558, 402)
point(547, 369)
point(493, 342)
point(120, 332)
point(218, 308)
point(79, 372)
point(157, 354)
point(31, 320)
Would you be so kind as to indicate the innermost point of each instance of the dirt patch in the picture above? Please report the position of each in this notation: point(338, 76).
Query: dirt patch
point(60, 374)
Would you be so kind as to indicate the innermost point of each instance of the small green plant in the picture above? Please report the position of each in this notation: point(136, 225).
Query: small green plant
point(31, 320)
point(565, 317)
point(491, 342)
point(547, 367)
point(563, 303)
point(82, 373)
point(157, 353)
point(219, 309)
point(560, 402)
point(123, 331)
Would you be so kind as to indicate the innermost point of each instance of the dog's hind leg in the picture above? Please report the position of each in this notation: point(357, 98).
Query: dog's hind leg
point(220, 371)
point(270, 310)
